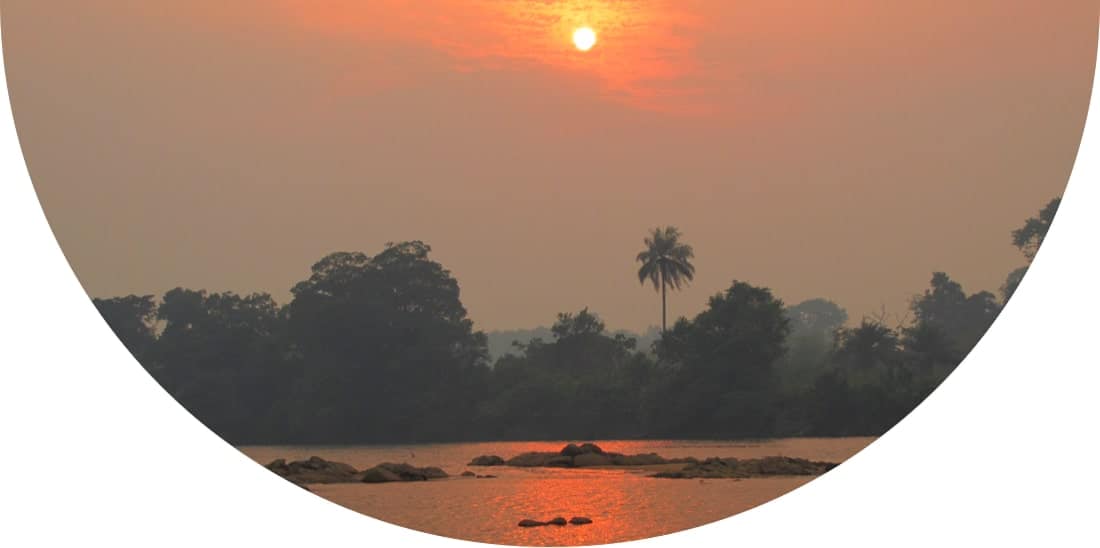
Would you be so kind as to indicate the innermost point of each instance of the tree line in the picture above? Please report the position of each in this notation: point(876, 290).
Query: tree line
point(379, 349)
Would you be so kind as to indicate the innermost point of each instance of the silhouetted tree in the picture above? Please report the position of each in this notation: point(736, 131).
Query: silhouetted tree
point(871, 345)
point(816, 317)
point(131, 318)
point(1028, 238)
point(964, 318)
point(391, 353)
point(665, 262)
point(586, 383)
point(1012, 282)
point(224, 357)
point(724, 360)
point(814, 323)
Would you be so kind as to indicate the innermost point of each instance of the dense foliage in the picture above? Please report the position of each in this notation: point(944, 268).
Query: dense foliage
point(380, 349)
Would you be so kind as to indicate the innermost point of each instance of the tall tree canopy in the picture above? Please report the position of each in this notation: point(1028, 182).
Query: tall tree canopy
point(131, 318)
point(223, 356)
point(816, 317)
point(725, 360)
point(963, 318)
point(389, 346)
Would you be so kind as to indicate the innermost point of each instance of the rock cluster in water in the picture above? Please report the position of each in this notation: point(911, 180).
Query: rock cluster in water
point(559, 521)
point(584, 455)
point(318, 470)
point(314, 470)
point(734, 468)
point(388, 471)
point(487, 460)
point(591, 455)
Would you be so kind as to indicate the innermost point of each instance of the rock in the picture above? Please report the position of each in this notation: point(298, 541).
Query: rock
point(557, 521)
point(682, 460)
point(591, 448)
point(571, 450)
point(733, 468)
point(486, 476)
point(314, 470)
point(315, 463)
point(786, 466)
point(278, 466)
point(487, 460)
point(647, 459)
point(592, 459)
point(379, 475)
point(559, 461)
point(532, 523)
point(388, 471)
point(535, 459)
point(587, 454)
point(580, 520)
point(468, 474)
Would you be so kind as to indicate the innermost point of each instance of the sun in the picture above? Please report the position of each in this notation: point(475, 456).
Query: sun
point(584, 38)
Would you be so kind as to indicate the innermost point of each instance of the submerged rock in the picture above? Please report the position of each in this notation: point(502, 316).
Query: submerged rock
point(571, 450)
point(557, 521)
point(592, 459)
point(584, 455)
point(559, 461)
point(733, 468)
point(314, 470)
point(647, 459)
point(531, 523)
point(468, 474)
point(537, 459)
point(487, 460)
point(591, 448)
point(580, 520)
point(380, 475)
point(388, 471)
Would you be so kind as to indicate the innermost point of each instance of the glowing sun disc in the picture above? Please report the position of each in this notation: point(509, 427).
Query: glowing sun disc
point(584, 38)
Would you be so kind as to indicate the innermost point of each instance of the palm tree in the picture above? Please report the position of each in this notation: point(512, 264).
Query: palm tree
point(665, 262)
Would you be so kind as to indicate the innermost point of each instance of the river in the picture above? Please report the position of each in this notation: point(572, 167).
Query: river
point(623, 504)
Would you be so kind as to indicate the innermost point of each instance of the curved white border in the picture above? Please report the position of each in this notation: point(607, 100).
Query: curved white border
point(97, 454)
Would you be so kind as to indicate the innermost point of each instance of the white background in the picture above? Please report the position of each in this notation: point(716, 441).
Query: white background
point(95, 453)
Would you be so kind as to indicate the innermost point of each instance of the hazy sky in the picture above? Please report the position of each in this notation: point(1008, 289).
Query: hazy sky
point(821, 148)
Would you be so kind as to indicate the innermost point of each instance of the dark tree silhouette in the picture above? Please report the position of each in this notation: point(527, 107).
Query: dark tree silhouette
point(131, 318)
point(392, 355)
point(816, 317)
point(963, 318)
point(1028, 238)
point(665, 262)
point(379, 349)
point(724, 362)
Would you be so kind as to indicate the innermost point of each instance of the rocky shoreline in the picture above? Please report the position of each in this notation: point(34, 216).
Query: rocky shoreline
point(316, 470)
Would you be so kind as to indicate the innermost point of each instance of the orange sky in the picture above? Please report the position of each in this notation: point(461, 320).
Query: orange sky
point(835, 149)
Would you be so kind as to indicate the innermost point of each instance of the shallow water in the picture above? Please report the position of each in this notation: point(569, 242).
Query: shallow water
point(623, 504)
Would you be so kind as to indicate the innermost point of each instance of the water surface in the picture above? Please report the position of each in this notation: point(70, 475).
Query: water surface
point(623, 504)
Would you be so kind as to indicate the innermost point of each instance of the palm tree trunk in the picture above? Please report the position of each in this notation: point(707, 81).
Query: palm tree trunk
point(664, 307)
